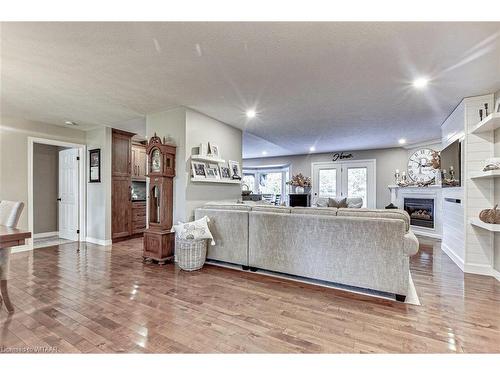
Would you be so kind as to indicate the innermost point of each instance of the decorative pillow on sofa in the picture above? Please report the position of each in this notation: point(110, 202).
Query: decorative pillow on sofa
point(321, 202)
point(342, 203)
point(354, 202)
point(194, 230)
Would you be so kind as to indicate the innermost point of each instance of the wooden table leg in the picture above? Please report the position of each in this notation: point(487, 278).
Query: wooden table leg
point(5, 295)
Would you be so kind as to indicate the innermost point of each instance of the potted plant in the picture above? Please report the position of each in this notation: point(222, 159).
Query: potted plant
point(300, 183)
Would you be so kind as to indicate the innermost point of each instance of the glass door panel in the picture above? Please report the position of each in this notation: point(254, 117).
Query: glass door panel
point(327, 183)
point(357, 181)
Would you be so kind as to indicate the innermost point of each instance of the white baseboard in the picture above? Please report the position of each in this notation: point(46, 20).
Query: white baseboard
point(20, 249)
point(480, 269)
point(98, 241)
point(46, 234)
point(425, 233)
point(496, 274)
point(453, 256)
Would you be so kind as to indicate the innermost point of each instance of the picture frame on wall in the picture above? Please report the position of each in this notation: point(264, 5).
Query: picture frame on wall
point(199, 169)
point(213, 150)
point(212, 173)
point(215, 168)
point(235, 170)
point(225, 172)
point(95, 165)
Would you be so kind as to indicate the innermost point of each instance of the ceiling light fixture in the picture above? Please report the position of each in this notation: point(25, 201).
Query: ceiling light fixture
point(402, 141)
point(420, 83)
point(312, 148)
point(264, 152)
point(251, 113)
point(70, 123)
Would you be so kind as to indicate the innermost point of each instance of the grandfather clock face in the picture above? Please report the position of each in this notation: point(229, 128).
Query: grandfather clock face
point(156, 161)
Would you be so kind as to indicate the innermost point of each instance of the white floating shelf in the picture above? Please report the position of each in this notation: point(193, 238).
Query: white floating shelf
point(489, 227)
point(207, 159)
point(491, 122)
point(487, 174)
point(216, 180)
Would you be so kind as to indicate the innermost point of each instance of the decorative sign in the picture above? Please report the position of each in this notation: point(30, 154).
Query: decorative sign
point(95, 165)
point(341, 155)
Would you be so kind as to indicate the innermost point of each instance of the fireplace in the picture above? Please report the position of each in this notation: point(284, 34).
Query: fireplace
point(421, 211)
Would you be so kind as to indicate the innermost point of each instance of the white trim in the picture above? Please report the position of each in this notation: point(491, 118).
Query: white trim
point(479, 269)
point(410, 146)
point(45, 235)
point(453, 256)
point(22, 248)
point(82, 182)
point(496, 274)
point(98, 241)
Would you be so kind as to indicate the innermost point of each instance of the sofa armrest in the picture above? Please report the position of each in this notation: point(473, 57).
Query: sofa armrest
point(410, 244)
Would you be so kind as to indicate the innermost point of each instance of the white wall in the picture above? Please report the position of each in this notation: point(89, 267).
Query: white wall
point(14, 135)
point(387, 160)
point(99, 193)
point(203, 129)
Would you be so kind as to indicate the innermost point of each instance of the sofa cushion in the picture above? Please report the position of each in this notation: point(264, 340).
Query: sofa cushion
point(274, 209)
point(354, 202)
point(227, 206)
point(366, 212)
point(314, 211)
point(341, 203)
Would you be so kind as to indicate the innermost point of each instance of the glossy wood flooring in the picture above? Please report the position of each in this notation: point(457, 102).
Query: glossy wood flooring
point(106, 300)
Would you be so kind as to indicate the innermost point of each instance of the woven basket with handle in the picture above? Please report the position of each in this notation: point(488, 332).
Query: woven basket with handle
point(190, 254)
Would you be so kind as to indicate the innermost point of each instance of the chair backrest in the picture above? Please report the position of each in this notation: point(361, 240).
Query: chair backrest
point(10, 213)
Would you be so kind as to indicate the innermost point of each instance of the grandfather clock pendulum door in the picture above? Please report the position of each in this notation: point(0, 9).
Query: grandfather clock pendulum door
point(159, 241)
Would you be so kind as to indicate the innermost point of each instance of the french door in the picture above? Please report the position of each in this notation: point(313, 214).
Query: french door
point(341, 180)
point(68, 194)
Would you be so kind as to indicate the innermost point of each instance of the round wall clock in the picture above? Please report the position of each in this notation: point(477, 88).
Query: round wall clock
point(420, 166)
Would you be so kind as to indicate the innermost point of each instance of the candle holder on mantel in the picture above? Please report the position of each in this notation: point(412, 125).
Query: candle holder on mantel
point(159, 241)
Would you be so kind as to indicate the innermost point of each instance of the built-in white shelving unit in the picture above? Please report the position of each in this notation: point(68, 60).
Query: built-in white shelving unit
point(490, 227)
point(490, 122)
point(207, 159)
point(216, 180)
point(487, 174)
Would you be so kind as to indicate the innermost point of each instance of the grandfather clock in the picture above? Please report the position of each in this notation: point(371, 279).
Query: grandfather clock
point(159, 241)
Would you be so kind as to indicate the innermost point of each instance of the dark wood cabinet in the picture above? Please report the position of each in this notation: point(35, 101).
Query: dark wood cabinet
point(138, 217)
point(139, 162)
point(121, 185)
point(299, 200)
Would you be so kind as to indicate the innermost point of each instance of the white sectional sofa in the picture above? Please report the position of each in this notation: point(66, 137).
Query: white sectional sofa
point(363, 248)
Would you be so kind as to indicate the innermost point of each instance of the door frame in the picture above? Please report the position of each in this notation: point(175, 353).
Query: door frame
point(82, 186)
point(373, 162)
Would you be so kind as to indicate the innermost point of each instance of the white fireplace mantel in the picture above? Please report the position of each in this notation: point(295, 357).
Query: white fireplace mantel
point(398, 194)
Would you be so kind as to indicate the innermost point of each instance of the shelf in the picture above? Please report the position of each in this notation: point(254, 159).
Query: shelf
point(216, 181)
point(487, 174)
point(491, 122)
point(207, 159)
point(489, 227)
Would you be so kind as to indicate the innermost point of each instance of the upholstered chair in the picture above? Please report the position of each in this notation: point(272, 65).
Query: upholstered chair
point(9, 216)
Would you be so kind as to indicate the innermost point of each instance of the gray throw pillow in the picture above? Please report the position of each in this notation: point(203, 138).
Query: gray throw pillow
point(342, 203)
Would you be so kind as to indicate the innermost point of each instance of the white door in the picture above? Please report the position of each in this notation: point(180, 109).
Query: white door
point(350, 179)
point(68, 194)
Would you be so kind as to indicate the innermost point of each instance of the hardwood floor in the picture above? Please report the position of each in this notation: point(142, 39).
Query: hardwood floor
point(106, 300)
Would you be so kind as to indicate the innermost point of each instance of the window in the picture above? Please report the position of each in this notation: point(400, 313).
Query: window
point(270, 182)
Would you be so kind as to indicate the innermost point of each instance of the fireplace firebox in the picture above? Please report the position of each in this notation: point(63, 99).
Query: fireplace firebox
point(421, 211)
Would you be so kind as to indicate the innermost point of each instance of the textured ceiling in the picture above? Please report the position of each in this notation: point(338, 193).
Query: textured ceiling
point(338, 86)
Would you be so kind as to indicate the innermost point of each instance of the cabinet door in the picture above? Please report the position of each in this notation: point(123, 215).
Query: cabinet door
point(142, 162)
point(122, 206)
point(121, 155)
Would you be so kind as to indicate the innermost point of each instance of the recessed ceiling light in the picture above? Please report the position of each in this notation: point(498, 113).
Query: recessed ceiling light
point(264, 152)
point(70, 123)
point(402, 141)
point(312, 148)
point(251, 113)
point(420, 83)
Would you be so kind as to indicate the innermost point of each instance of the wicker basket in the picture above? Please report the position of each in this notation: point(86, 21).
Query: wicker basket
point(190, 254)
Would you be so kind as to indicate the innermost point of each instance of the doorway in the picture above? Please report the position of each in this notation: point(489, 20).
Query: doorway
point(347, 179)
point(56, 192)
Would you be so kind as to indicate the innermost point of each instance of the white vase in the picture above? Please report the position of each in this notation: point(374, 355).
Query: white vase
point(299, 190)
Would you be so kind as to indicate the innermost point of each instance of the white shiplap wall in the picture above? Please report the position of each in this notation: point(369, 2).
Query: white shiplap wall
point(453, 240)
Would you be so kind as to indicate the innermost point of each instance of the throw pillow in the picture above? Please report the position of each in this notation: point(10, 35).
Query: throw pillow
point(342, 203)
point(321, 202)
point(194, 230)
point(355, 202)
